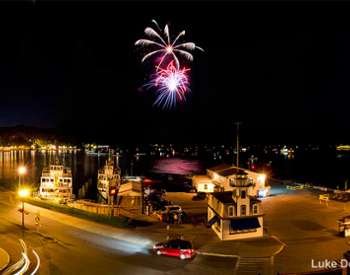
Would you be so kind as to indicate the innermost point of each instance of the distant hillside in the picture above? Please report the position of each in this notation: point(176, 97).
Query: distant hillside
point(26, 135)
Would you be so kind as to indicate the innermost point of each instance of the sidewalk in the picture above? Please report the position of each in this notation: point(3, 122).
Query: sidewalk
point(4, 259)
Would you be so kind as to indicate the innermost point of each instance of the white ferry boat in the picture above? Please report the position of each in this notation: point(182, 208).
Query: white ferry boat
point(56, 182)
point(108, 176)
point(97, 150)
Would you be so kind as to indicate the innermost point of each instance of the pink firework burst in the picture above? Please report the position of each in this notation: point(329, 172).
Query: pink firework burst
point(172, 85)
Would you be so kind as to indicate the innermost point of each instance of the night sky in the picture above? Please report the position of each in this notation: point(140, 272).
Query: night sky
point(281, 68)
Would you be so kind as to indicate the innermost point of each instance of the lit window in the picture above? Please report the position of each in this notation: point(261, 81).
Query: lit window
point(255, 209)
point(230, 211)
point(243, 210)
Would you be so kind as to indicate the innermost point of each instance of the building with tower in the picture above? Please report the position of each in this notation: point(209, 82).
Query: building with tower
point(236, 214)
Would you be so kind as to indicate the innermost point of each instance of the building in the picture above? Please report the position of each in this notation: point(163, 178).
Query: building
point(130, 193)
point(218, 179)
point(203, 183)
point(235, 214)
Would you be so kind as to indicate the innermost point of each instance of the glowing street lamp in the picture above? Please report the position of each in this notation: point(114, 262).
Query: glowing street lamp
point(23, 193)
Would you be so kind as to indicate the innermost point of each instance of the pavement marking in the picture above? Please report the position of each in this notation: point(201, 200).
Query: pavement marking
point(283, 245)
point(254, 265)
point(37, 263)
point(217, 254)
point(5, 259)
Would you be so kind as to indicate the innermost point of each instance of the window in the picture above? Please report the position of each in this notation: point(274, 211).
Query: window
point(205, 186)
point(231, 211)
point(255, 209)
point(243, 194)
point(243, 210)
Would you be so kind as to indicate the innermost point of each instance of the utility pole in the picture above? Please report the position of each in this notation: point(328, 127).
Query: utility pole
point(237, 142)
point(142, 197)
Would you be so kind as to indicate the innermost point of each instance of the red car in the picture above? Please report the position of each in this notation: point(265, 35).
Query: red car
point(175, 248)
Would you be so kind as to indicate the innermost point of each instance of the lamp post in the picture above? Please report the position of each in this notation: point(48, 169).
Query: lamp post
point(22, 170)
point(23, 193)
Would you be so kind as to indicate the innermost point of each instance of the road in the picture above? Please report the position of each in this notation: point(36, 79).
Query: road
point(65, 248)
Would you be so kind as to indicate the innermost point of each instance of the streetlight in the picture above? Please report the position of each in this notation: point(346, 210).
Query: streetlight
point(22, 170)
point(23, 193)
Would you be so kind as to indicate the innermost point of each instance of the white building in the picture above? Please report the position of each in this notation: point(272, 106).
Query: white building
point(218, 178)
point(130, 193)
point(203, 183)
point(235, 214)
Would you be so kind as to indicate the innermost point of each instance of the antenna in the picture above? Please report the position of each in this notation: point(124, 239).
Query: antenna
point(237, 143)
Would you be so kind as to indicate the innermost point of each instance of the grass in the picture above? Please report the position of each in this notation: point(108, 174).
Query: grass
point(114, 221)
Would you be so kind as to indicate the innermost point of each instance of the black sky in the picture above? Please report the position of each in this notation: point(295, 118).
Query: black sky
point(280, 67)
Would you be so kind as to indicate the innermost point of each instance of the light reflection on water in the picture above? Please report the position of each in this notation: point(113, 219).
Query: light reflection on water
point(83, 166)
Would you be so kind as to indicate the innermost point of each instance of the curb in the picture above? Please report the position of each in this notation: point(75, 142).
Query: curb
point(5, 259)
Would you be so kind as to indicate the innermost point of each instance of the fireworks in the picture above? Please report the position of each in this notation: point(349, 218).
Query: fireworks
point(172, 85)
point(166, 48)
point(170, 80)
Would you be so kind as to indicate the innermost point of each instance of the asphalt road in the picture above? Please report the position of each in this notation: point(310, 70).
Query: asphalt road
point(66, 249)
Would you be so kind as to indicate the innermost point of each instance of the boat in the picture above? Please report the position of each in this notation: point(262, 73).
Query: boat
point(108, 176)
point(97, 150)
point(56, 182)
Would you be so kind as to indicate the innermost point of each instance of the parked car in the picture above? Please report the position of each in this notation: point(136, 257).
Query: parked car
point(175, 248)
point(159, 204)
point(172, 209)
point(200, 196)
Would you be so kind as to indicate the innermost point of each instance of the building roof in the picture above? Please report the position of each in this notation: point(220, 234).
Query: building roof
point(220, 167)
point(131, 188)
point(201, 178)
point(225, 170)
point(224, 197)
point(231, 171)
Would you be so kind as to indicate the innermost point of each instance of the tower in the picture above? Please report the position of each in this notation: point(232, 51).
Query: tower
point(241, 184)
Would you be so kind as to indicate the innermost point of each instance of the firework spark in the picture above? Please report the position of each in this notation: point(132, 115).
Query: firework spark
point(172, 85)
point(165, 47)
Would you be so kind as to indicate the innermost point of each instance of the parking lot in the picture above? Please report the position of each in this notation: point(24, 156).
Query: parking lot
point(307, 227)
point(191, 207)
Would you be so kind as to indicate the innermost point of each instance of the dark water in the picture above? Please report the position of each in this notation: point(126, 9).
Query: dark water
point(325, 168)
